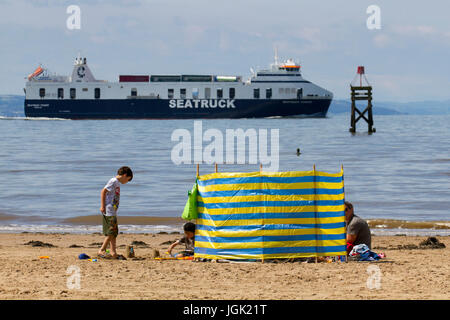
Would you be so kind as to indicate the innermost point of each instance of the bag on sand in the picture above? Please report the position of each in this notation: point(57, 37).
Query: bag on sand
point(190, 211)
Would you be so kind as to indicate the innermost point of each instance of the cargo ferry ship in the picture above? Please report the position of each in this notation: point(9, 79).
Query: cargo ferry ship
point(279, 91)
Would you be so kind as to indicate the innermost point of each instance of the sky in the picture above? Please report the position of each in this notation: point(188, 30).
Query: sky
point(407, 59)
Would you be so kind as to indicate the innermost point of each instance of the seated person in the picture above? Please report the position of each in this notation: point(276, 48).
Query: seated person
point(358, 231)
point(188, 240)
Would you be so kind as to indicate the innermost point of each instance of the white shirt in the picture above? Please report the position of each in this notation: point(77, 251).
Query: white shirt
point(112, 197)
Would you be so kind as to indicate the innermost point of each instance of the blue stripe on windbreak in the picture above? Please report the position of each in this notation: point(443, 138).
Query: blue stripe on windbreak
point(271, 192)
point(208, 182)
point(269, 215)
point(272, 226)
point(251, 204)
point(302, 237)
point(256, 251)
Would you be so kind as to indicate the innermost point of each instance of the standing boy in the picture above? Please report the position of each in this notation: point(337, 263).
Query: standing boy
point(110, 198)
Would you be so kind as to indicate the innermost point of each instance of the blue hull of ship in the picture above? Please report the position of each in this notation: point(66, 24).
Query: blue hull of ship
point(161, 109)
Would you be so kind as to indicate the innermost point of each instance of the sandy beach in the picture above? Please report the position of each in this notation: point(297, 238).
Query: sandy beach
point(405, 274)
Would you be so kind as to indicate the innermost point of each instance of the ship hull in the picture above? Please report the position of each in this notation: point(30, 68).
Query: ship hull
point(175, 109)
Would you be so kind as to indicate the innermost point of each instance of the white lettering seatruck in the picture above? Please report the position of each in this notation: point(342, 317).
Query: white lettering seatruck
point(212, 103)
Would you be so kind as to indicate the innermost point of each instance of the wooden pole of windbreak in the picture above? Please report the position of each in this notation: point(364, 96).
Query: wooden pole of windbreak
point(315, 209)
point(198, 169)
point(262, 259)
point(215, 167)
point(345, 225)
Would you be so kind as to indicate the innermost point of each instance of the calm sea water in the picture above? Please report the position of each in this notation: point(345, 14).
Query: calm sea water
point(54, 169)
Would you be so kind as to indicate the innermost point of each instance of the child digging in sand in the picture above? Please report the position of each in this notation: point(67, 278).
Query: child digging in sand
point(110, 198)
point(188, 240)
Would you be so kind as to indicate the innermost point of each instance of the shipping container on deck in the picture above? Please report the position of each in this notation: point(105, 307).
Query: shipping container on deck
point(133, 78)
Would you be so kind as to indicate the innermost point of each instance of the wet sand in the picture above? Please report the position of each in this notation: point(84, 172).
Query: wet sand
point(405, 274)
point(134, 220)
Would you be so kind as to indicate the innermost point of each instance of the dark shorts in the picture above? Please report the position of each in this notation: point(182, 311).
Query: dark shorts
point(110, 227)
point(187, 253)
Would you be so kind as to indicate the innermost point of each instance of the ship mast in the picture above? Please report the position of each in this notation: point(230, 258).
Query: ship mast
point(276, 55)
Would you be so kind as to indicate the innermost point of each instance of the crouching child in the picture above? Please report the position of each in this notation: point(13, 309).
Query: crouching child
point(188, 240)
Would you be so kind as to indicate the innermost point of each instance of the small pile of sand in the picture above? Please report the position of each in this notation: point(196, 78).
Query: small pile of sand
point(139, 244)
point(167, 243)
point(431, 243)
point(39, 244)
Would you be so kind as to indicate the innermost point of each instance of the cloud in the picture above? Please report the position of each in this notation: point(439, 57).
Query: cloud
point(420, 30)
point(160, 36)
point(381, 40)
point(194, 34)
point(312, 40)
point(400, 86)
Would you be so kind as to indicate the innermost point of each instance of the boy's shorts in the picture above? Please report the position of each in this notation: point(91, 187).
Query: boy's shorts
point(187, 253)
point(110, 227)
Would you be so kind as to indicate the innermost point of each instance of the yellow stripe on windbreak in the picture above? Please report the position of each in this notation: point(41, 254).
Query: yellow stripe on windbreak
point(270, 256)
point(280, 186)
point(307, 197)
point(277, 232)
point(303, 255)
point(326, 174)
point(288, 209)
point(269, 244)
point(228, 256)
point(247, 222)
point(288, 174)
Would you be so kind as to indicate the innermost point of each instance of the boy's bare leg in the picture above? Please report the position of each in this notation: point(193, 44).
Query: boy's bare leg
point(105, 245)
point(113, 246)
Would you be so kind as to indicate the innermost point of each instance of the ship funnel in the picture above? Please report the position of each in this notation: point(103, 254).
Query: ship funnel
point(81, 71)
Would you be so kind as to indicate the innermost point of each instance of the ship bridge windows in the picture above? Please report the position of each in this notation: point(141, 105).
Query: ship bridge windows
point(290, 68)
point(97, 93)
point(256, 93)
point(232, 93)
point(195, 93)
point(219, 93)
point(42, 93)
point(60, 93)
point(170, 93)
point(73, 93)
point(183, 93)
point(207, 93)
point(133, 92)
point(268, 93)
